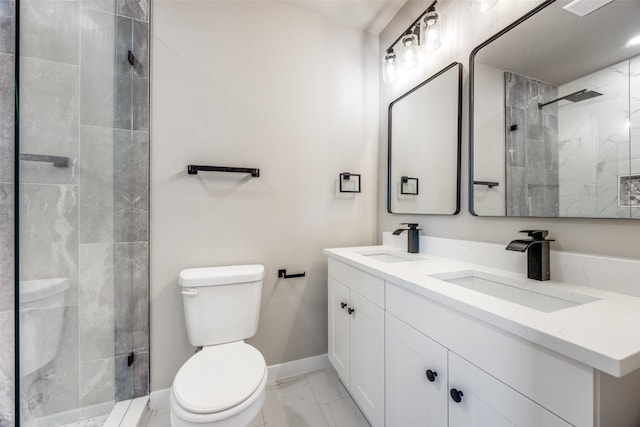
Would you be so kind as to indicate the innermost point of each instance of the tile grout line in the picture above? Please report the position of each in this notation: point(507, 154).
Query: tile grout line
point(306, 377)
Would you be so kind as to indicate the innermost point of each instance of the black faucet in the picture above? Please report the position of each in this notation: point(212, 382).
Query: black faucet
point(538, 267)
point(413, 241)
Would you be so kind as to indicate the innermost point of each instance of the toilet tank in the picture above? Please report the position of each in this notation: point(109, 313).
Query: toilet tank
point(221, 304)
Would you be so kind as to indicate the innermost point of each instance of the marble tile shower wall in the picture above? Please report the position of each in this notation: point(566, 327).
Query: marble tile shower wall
point(599, 144)
point(7, 58)
point(532, 147)
point(80, 98)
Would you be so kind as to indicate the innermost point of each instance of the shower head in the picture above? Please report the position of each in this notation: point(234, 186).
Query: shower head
point(582, 95)
point(578, 96)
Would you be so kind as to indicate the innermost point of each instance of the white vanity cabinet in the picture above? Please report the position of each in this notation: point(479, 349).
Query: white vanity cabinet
point(356, 336)
point(416, 377)
point(485, 401)
point(504, 379)
point(420, 375)
point(400, 354)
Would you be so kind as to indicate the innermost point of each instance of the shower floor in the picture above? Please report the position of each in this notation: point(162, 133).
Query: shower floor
point(91, 422)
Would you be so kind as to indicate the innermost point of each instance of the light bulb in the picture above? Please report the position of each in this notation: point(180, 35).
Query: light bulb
point(480, 6)
point(389, 67)
point(409, 57)
point(430, 32)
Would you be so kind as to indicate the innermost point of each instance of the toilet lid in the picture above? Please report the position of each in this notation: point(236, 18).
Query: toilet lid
point(219, 377)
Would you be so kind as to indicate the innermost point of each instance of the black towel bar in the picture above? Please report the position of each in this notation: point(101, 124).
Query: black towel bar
point(489, 184)
point(58, 161)
point(193, 170)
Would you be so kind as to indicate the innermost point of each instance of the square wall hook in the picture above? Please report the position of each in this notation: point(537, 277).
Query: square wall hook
point(346, 177)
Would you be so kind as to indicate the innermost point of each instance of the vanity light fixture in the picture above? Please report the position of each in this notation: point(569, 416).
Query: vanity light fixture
point(480, 6)
point(422, 35)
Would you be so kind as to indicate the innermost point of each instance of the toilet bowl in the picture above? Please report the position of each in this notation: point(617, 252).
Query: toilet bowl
point(222, 385)
point(42, 307)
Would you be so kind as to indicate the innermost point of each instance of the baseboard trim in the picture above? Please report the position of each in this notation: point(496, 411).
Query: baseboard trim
point(297, 367)
point(159, 399)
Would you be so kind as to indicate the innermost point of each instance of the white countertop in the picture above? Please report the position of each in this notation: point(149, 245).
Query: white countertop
point(603, 334)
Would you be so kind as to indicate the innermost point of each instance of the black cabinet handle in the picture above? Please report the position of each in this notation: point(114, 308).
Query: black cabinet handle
point(456, 395)
point(431, 375)
point(343, 305)
point(351, 310)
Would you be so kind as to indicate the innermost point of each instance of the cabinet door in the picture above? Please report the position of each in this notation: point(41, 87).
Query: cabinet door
point(339, 329)
point(486, 401)
point(412, 398)
point(367, 358)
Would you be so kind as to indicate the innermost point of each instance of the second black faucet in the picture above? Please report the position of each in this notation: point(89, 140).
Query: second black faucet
point(413, 239)
point(537, 248)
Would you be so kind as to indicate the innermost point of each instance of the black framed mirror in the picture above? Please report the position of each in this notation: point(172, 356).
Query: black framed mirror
point(554, 116)
point(424, 146)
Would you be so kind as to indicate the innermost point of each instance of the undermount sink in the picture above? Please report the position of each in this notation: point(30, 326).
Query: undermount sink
point(387, 256)
point(533, 295)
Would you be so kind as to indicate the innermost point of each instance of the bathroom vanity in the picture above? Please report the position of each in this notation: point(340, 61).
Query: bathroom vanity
point(457, 336)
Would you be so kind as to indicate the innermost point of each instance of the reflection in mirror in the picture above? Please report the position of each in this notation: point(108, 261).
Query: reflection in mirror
point(424, 146)
point(555, 115)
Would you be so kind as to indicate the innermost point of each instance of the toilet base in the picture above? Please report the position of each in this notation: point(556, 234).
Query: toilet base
point(239, 416)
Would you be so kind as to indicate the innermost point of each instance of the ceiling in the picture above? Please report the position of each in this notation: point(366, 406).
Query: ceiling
point(557, 47)
point(365, 15)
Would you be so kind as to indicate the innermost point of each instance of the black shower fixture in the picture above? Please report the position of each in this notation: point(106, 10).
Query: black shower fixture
point(578, 96)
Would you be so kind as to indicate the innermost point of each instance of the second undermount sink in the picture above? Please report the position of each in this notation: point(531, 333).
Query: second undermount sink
point(388, 256)
point(537, 296)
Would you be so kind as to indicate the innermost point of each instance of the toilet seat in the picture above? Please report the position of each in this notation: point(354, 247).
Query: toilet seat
point(219, 382)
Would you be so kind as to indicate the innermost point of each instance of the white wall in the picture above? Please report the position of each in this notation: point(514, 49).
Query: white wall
point(461, 32)
point(257, 84)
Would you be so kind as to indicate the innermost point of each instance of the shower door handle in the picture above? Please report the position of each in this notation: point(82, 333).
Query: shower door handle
point(190, 292)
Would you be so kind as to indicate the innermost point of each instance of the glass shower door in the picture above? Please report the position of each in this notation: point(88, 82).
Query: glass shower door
point(83, 291)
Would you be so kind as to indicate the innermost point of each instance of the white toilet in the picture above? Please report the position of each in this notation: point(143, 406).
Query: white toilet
point(42, 306)
point(223, 385)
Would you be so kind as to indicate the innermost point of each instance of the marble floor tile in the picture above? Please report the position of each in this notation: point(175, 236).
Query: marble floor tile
point(326, 386)
point(291, 403)
point(343, 413)
point(258, 421)
point(159, 419)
